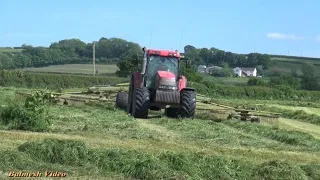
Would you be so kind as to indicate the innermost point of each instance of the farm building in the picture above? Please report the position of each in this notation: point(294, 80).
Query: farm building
point(245, 72)
point(209, 70)
point(202, 69)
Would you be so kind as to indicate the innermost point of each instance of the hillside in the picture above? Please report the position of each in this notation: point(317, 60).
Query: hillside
point(279, 63)
point(290, 64)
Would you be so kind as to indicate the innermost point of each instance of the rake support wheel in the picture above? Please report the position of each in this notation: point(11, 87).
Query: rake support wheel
point(122, 100)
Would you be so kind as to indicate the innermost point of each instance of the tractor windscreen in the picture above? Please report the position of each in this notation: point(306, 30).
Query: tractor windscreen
point(160, 63)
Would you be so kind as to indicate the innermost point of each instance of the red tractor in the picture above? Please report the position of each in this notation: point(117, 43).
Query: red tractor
point(158, 86)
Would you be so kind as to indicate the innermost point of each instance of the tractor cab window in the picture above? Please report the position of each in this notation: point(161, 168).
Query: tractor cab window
point(159, 63)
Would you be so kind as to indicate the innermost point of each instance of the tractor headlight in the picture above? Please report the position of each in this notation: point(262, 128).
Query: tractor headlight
point(167, 87)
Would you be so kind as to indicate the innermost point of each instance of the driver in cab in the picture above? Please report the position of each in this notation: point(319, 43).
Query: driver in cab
point(163, 66)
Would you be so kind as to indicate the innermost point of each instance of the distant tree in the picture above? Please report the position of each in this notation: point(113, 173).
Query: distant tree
point(190, 73)
point(265, 61)
point(309, 80)
point(5, 61)
point(260, 70)
point(225, 65)
point(129, 64)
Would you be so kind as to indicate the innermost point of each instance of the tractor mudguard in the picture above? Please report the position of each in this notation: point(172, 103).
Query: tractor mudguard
point(189, 89)
point(182, 82)
point(137, 78)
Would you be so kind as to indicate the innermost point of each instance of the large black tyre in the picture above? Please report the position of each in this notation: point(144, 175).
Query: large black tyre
point(172, 112)
point(122, 100)
point(140, 103)
point(188, 104)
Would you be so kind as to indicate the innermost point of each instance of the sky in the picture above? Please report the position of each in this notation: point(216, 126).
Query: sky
point(265, 26)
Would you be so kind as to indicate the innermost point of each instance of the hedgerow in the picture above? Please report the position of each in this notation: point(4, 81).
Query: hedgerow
point(54, 81)
point(252, 92)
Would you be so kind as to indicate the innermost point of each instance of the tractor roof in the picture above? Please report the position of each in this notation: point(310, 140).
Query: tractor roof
point(163, 52)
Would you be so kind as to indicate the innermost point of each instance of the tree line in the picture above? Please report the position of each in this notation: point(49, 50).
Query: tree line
point(218, 57)
point(69, 51)
point(113, 50)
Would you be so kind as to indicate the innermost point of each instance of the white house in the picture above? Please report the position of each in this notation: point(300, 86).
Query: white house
point(245, 72)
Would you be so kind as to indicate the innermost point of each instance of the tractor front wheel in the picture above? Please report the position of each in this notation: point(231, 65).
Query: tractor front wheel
point(122, 100)
point(140, 103)
point(188, 104)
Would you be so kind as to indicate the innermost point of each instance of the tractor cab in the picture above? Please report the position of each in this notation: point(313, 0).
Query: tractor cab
point(162, 67)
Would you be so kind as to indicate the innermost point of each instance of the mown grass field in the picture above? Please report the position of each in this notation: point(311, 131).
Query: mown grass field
point(101, 142)
point(77, 68)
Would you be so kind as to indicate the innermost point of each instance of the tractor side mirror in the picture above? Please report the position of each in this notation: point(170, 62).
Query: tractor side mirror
point(188, 64)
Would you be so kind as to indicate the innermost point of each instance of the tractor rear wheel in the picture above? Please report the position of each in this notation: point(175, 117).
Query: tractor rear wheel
point(172, 112)
point(188, 104)
point(140, 103)
point(122, 100)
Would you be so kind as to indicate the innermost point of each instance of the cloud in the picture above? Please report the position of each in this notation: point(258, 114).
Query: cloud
point(318, 38)
point(280, 36)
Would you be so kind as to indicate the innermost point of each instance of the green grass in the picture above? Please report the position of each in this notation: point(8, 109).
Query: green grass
point(76, 68)
point(10, 50)
point(300, 126)
point(309, 110)
point(99, 141)
point(228, 80)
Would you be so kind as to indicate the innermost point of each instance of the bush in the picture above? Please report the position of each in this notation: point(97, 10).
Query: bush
point(32, 116)
point(285, 80)
point(224, 72)
point(253, 81)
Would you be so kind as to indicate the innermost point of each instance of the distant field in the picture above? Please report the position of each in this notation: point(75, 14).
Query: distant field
point(296, 60)
point(229, 80)
point(76, 68)
point(10, 50)
point(286, 65)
